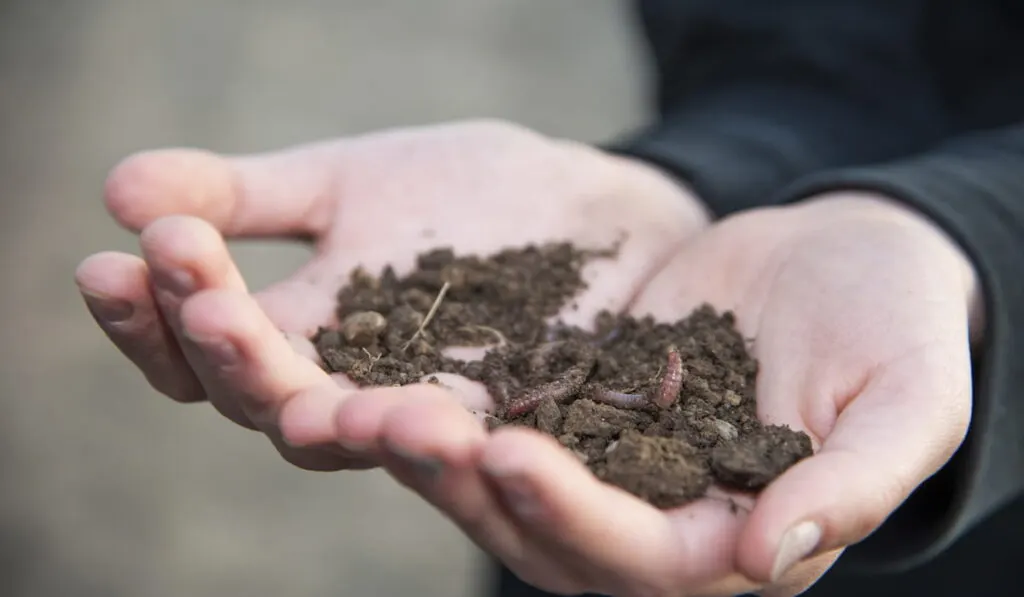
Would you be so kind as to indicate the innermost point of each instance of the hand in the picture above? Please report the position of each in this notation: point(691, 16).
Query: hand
point(861, 312)
point(183, 315)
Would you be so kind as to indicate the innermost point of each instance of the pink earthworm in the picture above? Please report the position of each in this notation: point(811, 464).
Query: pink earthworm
point(620, 399)
point(559, 390)
point(672, 381)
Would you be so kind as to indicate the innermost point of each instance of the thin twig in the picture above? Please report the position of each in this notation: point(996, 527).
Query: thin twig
point(372, 358)
point(430, 315)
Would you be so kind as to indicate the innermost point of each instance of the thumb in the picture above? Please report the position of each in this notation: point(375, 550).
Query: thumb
point(907, 422)
point(275, 194)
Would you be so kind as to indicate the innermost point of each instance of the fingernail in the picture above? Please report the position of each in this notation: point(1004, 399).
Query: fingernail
point(221, 353)
point(799, 542)
point(177, 282)
point(426, 469)
point(521, 499)
point(517, 494)
point(109, 310)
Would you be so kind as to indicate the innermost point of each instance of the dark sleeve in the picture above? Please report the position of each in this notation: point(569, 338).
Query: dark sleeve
point(973, 187)
point(752, 95)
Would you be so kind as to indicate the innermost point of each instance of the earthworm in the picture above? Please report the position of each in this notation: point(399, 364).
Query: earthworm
point(672, 381)
point(620, 399)
point(558, 390)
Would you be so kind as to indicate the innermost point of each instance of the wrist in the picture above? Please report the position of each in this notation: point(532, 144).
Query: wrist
point(853, 207)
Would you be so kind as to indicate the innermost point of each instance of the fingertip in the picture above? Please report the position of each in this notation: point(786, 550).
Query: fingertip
point(115, 288)
point(180, 238)
point(186, 254)
point(151, 184)
point(112, 274)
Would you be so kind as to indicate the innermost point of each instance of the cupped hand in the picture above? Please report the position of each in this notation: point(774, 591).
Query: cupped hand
point(862, 313)
point(183, 313)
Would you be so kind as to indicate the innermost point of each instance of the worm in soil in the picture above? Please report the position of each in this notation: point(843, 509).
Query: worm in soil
point(559, 390)
point(620, 399)
point(672, 381)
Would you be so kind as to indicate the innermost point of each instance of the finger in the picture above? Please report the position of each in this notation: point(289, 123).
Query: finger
point(431, 444)
point(116, 290)
point(254, 367)
point(618, 538)
point(308, 419)
point(249, 356)
point(358, 422)
point(185, 255)
point(283, 193)
point(425, 437)
point(905, 424)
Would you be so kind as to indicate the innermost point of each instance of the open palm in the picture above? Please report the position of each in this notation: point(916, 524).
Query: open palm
point(183, 315)
point(861, 312)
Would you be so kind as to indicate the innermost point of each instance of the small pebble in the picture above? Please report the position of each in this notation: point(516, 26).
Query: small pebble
point(362, 328)
point(732, 398)
point(726, 430)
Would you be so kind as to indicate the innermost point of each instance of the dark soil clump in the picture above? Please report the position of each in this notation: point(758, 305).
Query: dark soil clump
point(661, 410)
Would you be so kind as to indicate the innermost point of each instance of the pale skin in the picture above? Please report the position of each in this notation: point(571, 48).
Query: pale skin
point(863, 314)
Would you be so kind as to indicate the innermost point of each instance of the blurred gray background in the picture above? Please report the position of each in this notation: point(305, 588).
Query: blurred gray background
point(107, 489)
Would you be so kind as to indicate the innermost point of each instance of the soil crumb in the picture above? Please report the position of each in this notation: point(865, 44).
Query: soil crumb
point(662, 410)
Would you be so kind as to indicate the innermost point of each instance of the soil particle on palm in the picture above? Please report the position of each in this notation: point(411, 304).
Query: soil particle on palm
point(660, 409)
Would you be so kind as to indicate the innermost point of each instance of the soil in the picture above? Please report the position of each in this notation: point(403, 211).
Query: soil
point(661, 410)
